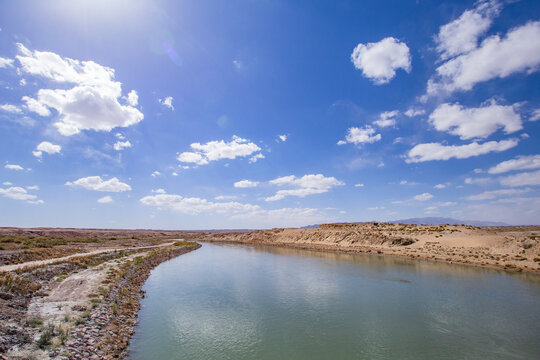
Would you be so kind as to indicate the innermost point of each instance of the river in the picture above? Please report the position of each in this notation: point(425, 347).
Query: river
point(256, 302)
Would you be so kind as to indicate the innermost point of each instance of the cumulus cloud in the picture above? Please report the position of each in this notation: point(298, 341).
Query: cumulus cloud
point(121, 145)
point(379, 61)
point(535, 115)
point(226, 197)
point(92, 104)
point(469, 123)
point(96, 183)
point(358, 185)
point(105, 200)
point(5, 63)
point(496, 57)
point(282, 138)
point(522, 179)
point(440, 186)
point(14, 167)
point(245, 184)
point(521, 162)
point(35, 106)
point(133, 98)
point(357, 136)
point(256, 157)
point(412, 112)
point(155, 174)
point(47, 147)
point(202, 154)
point(167, 102)
point(19, 193)
point(488, 195)
point(423, 197)
point(438, 151)
point(253, 214)
point(10, 108)
point(304, 186)
point(386, 119)
point(194, 206)
point(461, 35)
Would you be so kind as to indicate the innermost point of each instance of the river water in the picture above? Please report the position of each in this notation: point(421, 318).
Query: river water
point(242, 302)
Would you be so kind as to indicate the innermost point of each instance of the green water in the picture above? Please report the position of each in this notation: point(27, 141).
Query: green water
point(240, 302)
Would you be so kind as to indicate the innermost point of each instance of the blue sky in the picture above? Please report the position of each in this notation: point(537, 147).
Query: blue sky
point(256, 114)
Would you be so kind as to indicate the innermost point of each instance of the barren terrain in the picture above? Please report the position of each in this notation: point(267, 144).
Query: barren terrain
point(515, 248)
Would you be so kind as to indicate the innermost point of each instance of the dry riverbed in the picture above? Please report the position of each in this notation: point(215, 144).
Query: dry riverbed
point(79, 307)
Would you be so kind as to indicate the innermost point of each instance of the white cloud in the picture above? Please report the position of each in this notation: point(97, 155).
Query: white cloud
point(518, 51)
point(386, 119)
point(167, 102)
point(133, 98)
point(159, 191)
point(461, 35)
point(535, 115)
point(282, 138)
point(14, 167)
point(202, 154)
point(522, 162)
point(105, 200)
point(480, 122)
point(376, 208)
point(5, 63)
point(437, 151)
point(155, 174)
point(405, 182)
point(194, 206)
point(226, 197)
point(245, 184)
point(256, 157)
point(522, 179)
point(47, 147)
point(7, 183)
point(22, 82)
point(96, 183)
point(92, 104)
point(440, 186)
point(358, 185)
point(414, 112)
point(379, 61)
point(10, 108)
point(121, 145)
point(253, 214)
point(35, 106)
point(478, 181)
point(488, 195)
point(32, 187)
point(19, 193)
point(304, 186)
point(423, 197)
point(360, 135)
point(447, 203)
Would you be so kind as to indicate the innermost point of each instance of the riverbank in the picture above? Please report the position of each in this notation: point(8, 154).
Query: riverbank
point(82, 307)
point(510, 248)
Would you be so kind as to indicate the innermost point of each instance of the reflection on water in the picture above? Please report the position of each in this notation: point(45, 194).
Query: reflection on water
point(242, 302)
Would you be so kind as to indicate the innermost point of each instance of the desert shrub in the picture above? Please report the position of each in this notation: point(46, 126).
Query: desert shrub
point(46, 337)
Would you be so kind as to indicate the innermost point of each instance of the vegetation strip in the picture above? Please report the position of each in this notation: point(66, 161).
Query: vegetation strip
point(99, 330)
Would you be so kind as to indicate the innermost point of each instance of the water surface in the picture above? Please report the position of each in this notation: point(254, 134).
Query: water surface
point(241, 302)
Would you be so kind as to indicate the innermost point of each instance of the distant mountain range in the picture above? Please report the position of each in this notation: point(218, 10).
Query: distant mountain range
point(434, 221)
point(450, 221)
